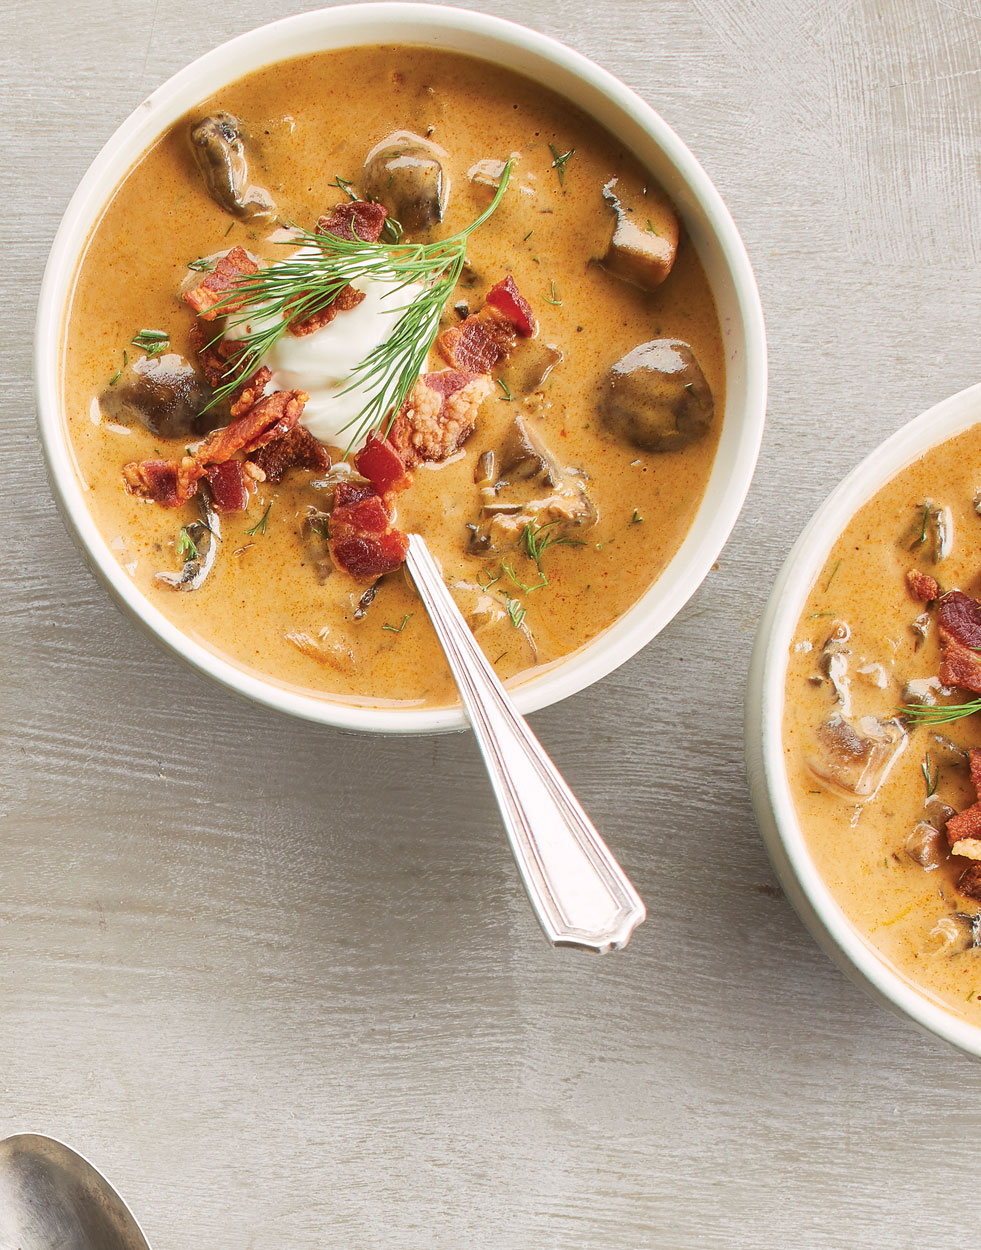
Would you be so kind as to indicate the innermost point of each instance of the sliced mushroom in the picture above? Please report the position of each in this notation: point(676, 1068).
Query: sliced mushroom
point(644, 241)
point(855, 757)
point(525, 484)
point(504, 636)
point(206, 537)
point(927, 846)
point(657, 398)
point(165, 394)
point(405, 172)
point(528, 366)
point(219, 149)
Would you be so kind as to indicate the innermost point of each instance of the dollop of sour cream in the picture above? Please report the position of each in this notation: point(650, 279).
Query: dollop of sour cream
point(321, 363)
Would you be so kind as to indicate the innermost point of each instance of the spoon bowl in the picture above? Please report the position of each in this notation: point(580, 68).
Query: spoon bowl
point(53, 1199)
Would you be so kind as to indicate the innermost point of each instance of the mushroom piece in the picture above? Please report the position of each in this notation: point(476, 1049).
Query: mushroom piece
point(855, 757)
point(657, 398)
point(504, 635)
point(165, 394)
point(405, 173)
point(200, 542)
point(528, 366)
point(219, 150)
point(525, 484)
point(644, 242)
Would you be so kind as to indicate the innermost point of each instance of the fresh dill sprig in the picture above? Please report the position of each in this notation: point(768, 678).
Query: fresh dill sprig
point(559, 162)
point(201, 265)
point(310, 279)
point(487, 581)
point(153, 342)
point(939, 714)
point(260, 525)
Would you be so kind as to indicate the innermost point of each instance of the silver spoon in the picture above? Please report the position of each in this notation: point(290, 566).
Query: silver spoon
point(580, 894)
point(53, 1199)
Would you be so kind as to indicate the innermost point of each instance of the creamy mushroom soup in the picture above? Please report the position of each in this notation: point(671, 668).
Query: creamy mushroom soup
point(382, 290)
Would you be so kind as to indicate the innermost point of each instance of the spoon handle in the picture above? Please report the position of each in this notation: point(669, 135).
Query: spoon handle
point(579, 892)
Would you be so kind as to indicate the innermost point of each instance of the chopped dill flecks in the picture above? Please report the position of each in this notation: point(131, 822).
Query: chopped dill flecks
point(186, 546)
point(509, 570)
point(832, 577)
point(536, 540)
point(260, 525)
point(553, 298)
point(559, 161)
point(515, 611)
point(507, 397)
point(650, 227)
point(636, 519)
point(931, 781)
point(153, 342)
point(397, 629)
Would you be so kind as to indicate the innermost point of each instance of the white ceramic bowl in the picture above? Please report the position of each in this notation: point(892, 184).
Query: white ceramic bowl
point(768, 780)
point(599, 94)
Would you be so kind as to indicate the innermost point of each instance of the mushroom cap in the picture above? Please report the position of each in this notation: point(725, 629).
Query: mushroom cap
point(656, 397)
point(405, 173)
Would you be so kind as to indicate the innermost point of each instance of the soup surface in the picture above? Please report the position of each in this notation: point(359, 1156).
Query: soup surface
point(274, 600)
point(883, 666)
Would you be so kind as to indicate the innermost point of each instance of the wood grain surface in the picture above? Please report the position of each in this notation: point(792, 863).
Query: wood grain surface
point(281, 984)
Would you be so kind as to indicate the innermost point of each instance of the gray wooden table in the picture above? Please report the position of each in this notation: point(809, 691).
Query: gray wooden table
point(282, 984)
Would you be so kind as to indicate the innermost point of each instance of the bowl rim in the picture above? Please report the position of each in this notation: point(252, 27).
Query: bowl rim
point(765, 696)
point(682, 575)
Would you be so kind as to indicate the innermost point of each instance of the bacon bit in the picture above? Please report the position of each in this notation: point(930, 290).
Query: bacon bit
point(964, 829)
point(154, 479)
point(217, 358)
point(228, 485)
point(438, 416)
point(296, 450)
point(959, 618)
point(382, 465)
point(357, 221)
point(922, 586)
point(969, 882)
point(505, 296)
point(363, 542)
point(345, 299)
point(483, 338)
point(250, 392)
point(959, 626)
point(171, 483)
point(217, 285)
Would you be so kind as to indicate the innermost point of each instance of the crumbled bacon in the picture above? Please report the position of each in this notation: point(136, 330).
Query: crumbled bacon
point(345, 299)
point(959, 626)
point(228, 486)
point(969, 882)
point(438, 415)
point(215, 355)
point(964, 829)
point(922, 586)
point(485, 337)
point(382, 465)
point(171, 483)
point(363, 541)
point(154, 479)
point(505, 296)
point(356, 221)
point(216, 286)
point(296, 450)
